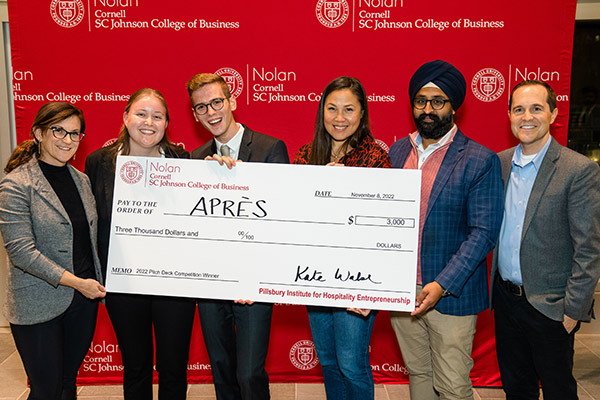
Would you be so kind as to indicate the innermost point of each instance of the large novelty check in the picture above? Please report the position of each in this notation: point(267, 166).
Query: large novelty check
point(296, 234)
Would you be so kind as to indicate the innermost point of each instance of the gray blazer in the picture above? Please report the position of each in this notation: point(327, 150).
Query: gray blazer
point(560, 244)
point(38, 237)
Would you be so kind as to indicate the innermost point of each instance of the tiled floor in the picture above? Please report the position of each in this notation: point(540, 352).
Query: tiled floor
point(587, 371)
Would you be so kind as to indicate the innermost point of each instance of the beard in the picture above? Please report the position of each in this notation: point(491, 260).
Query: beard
point(436, 129)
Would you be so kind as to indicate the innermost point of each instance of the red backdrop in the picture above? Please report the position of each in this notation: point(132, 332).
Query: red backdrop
point(278, 56)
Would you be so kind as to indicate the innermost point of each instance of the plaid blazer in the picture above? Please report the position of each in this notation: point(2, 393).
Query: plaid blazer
point(462, 222)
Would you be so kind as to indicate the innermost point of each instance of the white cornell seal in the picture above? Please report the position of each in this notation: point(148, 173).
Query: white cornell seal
point(488, 84)
point(303, 355)
point(233, 80)
point(67, 13)
point(383, 145)
point(109, 142)
point(332, 13)
point(131, 172)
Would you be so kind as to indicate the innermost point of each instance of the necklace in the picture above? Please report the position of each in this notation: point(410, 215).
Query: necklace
point(337, 156)
point(342, 151)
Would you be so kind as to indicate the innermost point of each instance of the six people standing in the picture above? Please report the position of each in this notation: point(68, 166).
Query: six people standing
point(545, 267)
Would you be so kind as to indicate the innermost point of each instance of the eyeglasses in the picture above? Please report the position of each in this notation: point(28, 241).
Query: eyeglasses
point(216, 104)
point(436, 103)
point(61, 133)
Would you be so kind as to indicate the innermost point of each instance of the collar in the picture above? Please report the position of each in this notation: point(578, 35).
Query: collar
point(160, 150)
point(521, 160)
point(417, 140)
point(235, 142)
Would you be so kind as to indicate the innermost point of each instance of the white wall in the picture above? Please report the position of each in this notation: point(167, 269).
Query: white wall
point(588, 9)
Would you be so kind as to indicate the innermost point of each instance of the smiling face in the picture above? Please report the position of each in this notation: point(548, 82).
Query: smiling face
point(146, 122)
point(55, 151)
point(220, 123)
point(530, 117)
point(342, 114)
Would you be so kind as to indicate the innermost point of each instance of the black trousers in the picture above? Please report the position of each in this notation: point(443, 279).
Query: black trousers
point(237, 341)
point(134, 317)
point(53, 351)
point(532, 348)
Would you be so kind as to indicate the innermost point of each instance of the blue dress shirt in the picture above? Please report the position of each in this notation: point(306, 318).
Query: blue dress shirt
point(521, 180)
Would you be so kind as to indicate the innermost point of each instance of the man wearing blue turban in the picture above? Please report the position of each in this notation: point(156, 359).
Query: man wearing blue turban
point(461, 212)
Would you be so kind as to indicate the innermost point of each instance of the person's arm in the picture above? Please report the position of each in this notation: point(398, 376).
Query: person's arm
point(484, 217)
point(278, 153)
point(17, 231)
point(428, 298)
point(302, 155)
point(583, 210)
point(90, 288)
point(16, 227)
point(378, 158)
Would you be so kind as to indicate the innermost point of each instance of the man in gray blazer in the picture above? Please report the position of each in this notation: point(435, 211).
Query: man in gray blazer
point(547, 261)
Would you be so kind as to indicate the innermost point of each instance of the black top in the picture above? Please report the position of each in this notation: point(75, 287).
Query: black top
point(62, 182)
point(100, 168)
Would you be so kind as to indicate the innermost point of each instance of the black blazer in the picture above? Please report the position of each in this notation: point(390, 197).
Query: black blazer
point(255, 147)
point(100, 168)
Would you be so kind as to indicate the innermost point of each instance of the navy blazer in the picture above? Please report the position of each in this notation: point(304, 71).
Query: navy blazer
point(462, 222)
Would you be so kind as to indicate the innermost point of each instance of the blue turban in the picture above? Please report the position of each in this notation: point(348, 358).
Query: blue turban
point(445, 76)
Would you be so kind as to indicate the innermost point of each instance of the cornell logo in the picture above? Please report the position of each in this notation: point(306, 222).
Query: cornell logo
point(383, 145)
point(67, 13)
point(233, 79)
point(488, 84)
point(332, 13)
point(131, 172)
point(303, 355)
point(109, 142)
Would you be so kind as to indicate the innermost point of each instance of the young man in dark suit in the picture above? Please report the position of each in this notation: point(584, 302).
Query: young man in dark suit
point(236, 334)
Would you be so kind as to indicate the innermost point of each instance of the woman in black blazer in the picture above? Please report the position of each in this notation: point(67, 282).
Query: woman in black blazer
point(134, 316)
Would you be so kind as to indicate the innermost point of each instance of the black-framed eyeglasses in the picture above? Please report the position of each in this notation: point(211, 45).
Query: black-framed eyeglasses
point(216, 104)
point(437, 103)
point(60, 133)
